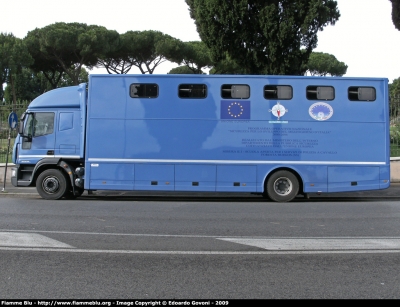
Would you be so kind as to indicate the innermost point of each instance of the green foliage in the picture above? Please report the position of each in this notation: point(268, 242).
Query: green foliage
point(395, 134)
point(13, 57)
point(71, 45)
point(324, 64)
point(181, 70)
point(6, 41)
point(1, 85)
point(394, 90)
point(5, 108)
point(394, 108)
point(195, 55)
point(227, 66)
point(114, 60)
point(143, 49)
point(82, 78)
point(263, 37)
point(396, 13)
point(29, 85)
point(43, 64)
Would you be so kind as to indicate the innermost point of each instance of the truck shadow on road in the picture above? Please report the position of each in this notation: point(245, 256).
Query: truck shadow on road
point(229, 198)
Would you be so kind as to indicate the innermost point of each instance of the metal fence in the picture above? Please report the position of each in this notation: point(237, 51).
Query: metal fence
point(394, 111)
point(20, 107)
point(5, 131)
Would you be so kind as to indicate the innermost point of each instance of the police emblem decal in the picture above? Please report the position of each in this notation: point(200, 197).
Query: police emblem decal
point(320, 111)
point(278, 110)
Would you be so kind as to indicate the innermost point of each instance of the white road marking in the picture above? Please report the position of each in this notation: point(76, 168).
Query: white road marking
point(241, 253)
point(195, 236)
point(15, 239)
point(320, 243)
point(30, 240)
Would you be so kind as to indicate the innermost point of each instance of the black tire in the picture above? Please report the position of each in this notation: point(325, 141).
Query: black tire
point(282, 186)
point(52, 184)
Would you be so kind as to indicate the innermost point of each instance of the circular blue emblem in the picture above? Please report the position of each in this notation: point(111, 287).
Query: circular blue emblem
point(320, 111)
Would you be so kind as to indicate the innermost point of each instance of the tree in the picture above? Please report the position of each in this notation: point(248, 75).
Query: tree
point(227, 66)
point(394, 99)
point(50, 69)
point(115, 60)
point(324, 64)
point(263, 36)
point(195, 56)
point(148, 49)
point(181, 70)
point(396, 13)
point(67, 81)
point(71, 45)
point(28, 84)
point(3, 78)
point(13, 57)
point(145, 50)
point(394, 90)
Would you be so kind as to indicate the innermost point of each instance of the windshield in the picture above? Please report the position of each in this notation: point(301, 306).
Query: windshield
point(38, 124)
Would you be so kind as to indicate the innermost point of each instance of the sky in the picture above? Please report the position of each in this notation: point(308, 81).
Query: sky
point(364, 37)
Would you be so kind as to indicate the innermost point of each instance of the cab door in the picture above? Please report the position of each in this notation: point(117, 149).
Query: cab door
point(38, 137)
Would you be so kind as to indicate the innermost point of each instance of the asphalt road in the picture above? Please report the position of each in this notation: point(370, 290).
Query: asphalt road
point(110, 245)
point(392, 191)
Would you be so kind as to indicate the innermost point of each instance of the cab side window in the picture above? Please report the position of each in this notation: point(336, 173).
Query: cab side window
point(43, 123)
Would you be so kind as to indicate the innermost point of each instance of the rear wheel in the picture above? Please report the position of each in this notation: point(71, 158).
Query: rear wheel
point(282, 186)
point(51, 184)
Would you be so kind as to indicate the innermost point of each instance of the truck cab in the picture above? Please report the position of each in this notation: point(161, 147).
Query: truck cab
point(49, 146)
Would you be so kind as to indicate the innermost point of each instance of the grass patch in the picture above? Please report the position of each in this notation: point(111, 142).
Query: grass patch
point(394, 150)
point(3, 150)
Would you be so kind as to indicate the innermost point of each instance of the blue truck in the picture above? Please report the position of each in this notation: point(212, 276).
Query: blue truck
point(278, 136)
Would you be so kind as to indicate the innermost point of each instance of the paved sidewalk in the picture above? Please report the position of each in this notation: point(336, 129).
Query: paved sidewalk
point(10, 190)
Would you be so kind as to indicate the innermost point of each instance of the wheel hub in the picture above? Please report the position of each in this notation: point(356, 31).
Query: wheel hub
point(283, 186)
point(50, 185)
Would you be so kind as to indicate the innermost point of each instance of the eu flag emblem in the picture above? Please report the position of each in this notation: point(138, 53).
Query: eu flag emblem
point(235, 109)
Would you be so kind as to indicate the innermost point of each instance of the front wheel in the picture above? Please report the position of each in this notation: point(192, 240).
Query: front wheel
point(282, 186)
point(51, 184)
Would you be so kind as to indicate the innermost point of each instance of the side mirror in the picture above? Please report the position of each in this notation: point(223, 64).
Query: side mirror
point(21, 127)
point(21, 124)
point(28, 138)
